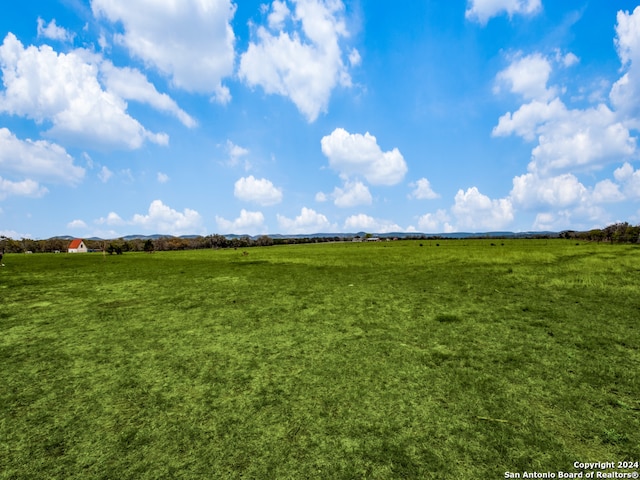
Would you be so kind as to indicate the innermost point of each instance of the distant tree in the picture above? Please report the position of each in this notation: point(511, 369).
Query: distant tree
point(176, 243)
point(161, 244)
point(13, 246)
point(218, 241)
point(114, 247)
point(595, 235)
point(29, 245)
point(264, 241)
point(148, 246)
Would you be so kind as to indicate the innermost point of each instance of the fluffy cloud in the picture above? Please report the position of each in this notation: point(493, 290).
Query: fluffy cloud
point(260, 191)
point(561, 192)
point(483, 10)
point(309, 221)
point(236, 152)
point(247, 223)
point(568, 139)
point(76, 224)
point(529, 118)
point(476, 211)
point(162, 177)
point(569, 60)
point(547, 221)
point(13, 234)
point(569, 202)
point(366, 223)
point(582, 218)
point(163, 219)
point(41, 160)
point(606, 191)
point(630, 180)
point(304, 65)
point(625, 93)
point(25, 188)
point(422, 190)
point(279, 13)
point(527, 76)
point(191, 41)
point(356, 154)
point(353, 194)
point(41, 84)
point(53, 31)
point(438, 222)
point(580, 138)
point(112, 219)
point(130, 84)
point(530, 190)
point(628, 35)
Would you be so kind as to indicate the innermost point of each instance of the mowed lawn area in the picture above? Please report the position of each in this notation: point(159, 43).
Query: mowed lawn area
point(390, 360)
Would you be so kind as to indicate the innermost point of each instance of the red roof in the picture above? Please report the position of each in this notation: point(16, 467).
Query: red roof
point(75, 243)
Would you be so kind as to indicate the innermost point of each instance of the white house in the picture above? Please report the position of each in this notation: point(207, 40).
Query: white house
point(77, 246)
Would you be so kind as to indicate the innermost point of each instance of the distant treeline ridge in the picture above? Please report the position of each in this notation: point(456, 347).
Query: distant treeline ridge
point(616, 233)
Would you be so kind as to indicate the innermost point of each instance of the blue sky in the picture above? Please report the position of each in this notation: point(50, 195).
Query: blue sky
point(123, 117)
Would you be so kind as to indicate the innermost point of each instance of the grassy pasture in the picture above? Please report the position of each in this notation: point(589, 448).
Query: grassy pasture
point(332, 361)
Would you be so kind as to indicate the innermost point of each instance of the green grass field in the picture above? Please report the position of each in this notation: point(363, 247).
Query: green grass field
point(383, 360)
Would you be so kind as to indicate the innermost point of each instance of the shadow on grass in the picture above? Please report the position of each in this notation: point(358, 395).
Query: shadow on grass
point(447, 318)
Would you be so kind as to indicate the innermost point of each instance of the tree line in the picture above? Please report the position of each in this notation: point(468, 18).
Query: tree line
point(615, 233)
point(621, 232)
point(121, 245)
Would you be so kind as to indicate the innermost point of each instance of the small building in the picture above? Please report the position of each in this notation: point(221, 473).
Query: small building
point(77, 246)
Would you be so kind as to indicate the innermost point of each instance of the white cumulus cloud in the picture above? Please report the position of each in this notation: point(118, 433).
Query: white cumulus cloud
point(53, 32)
point(625, 93)
point(352, 194)
point(630, 180)
point(366, 223)
point(41, 160)
point(476, 211)
point(530, 190)
point(164, 219)
point(422, 190)
point(250, 223)
point(483, 10)
point(257, 190)
point(76, 224)
point(24, 188)
point(190, 41)
point(527, 121)
point(112, 219)
point(279, 13)
point(587, 138)
point(356, 154)
point(309, 221)
point(64, 89)
point(304, 64)
point(527, 76)
point(131, 84)
point(606, 191)
point(567, 139)
point(438, 222)
point(236, 153)
point(570, 139)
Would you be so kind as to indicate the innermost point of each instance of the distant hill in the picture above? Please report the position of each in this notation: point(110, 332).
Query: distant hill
point(403, 235)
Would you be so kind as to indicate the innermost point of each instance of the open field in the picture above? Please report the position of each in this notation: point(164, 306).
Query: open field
point(332, 361)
